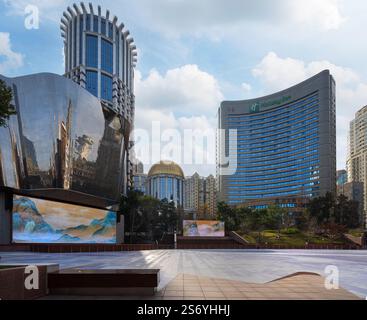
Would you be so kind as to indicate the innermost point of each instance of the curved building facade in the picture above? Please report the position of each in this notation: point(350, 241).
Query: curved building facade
point(285, 147)
point(100, 56)
point(62, 139)
point(165, 181)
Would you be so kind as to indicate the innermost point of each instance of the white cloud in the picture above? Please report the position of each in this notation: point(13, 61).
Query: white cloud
point(213, 18)
point(168, 121)
point(48, 9)
point(183, 98)
point(276, 73)
point(246, 87)
point(10, 59)
point(216, 18)
point(325, 13)
point(186, 89)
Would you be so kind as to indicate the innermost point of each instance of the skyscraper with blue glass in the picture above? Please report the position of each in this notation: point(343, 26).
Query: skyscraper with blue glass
point(285, 146)
point(100, 56)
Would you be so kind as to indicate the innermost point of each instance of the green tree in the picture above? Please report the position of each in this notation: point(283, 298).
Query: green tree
point(244, 218)
point(303, 220)
point(129, 207)
point(231, 216)
point(346, 212)
point(256, 220)
point(341, 211)
point(276, 217)
point(165, 220)
point(322, 208)
point(6, 107)
point(148, 219)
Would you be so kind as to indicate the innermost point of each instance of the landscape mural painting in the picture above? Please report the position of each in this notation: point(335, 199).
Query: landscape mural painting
point(203, 228)
point(43, 221)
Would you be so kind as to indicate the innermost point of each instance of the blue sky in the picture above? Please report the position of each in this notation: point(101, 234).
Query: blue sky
point(193, 54)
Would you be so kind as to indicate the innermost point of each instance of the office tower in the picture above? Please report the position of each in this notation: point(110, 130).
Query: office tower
point(211, 195)
point(100, 56)
point(200, 195)
point(357, 153)
point(341, 177)
point(285, 148)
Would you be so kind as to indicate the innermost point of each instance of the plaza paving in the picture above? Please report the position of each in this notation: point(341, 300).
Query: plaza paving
point(296, 287)
point(256, 267)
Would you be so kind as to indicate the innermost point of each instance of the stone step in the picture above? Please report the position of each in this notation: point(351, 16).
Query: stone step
point(104, 282)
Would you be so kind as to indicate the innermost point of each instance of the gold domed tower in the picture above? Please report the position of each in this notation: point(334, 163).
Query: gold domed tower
point(165, 181)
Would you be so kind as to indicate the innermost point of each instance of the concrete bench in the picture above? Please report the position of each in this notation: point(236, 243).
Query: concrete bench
point(104, 282)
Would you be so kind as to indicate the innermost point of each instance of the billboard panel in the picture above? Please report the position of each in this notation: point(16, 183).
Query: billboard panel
point(44, 221)
point(203, 228)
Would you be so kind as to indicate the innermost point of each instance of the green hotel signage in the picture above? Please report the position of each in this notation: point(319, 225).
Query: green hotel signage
point(255, 107)
point(272, 103)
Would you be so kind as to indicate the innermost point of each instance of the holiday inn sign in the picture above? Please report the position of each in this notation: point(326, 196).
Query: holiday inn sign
point(257, 106)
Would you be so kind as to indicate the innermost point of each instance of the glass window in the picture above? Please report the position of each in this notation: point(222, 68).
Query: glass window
point(162, 188)
point(103, 26)
point(74, 42)
point(122, 59)
point(92, 82)
point(107, 56)
point(127, 66)
point(92, 51)
point(178, 189)
point(110, 30)
point(118, 54)
point(88, 23)
point(106, 90)
point(95, 24)
point(170, 188)
point(81, 40)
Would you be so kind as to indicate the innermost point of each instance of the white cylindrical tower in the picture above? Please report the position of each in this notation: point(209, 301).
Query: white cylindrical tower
point(100, 56)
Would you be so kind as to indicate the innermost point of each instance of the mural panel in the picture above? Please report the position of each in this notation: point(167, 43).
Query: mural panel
point(43, 221)
point(203, 228)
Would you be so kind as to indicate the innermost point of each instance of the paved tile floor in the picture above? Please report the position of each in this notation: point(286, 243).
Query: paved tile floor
point(192, 287)
point(296, 287)
point(249, 266)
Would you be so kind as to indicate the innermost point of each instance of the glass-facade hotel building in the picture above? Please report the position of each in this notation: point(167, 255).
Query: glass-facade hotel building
point(285, 146)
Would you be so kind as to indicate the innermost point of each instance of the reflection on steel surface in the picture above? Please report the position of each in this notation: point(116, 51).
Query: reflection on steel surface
point(62, 138)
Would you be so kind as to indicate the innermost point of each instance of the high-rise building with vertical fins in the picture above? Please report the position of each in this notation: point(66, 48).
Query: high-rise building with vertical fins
point(100, 55)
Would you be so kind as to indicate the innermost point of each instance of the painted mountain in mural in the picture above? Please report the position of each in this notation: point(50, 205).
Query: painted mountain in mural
point(26, 218)
point(96, 230)
point(30, 225)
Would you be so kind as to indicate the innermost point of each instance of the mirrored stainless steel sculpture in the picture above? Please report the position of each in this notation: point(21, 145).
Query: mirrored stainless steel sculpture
point(62, 138)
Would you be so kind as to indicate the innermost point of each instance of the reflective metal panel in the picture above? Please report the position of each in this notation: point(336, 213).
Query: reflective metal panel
point(62, 138)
